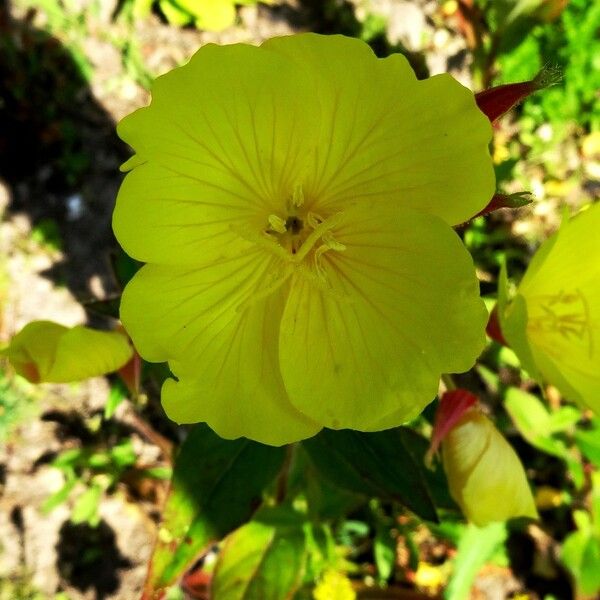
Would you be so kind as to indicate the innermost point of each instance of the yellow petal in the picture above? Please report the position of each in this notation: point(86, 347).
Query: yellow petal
point(386, 136)
point(221, 341)
point(398, 307)
point(484, 474)
point(48, 352)
point(164, 218)
point(226, 136)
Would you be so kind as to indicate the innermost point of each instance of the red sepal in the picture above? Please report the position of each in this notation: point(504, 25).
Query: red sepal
point(497, 101)
point(453, 405)
point(493, 328)
point(131, 374)
point(516, 200)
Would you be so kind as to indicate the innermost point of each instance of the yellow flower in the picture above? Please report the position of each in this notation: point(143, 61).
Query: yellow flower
point(294, 204)
point(334, 586)
point(48, 352)
point(484, 473)
point(431, 577)
point(553, 322)
point(213, 15)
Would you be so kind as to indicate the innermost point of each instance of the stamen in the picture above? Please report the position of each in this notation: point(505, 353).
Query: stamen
point(277, 224)
point(298, 196)
point(332, 243)
point(314, 220)
point(566, 313)
point(264, 241)
point(317, 234)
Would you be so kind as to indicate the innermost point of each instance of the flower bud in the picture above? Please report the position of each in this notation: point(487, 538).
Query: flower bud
point(48, 352)
point(485, 475)
point(497, 101)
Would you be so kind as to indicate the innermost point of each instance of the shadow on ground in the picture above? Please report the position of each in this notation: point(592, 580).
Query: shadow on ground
point(59, 153)
point(88, 558)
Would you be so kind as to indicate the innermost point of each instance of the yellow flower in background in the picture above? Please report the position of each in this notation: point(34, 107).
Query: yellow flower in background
point(334, 586)
point(211, 15)
point(553, 322)
point(485, 476)
point(44, 351)
point(294, 204)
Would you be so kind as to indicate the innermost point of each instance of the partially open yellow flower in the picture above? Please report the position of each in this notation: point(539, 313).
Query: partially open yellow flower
point(44, 351)
point(294, 204)
point(553, 322)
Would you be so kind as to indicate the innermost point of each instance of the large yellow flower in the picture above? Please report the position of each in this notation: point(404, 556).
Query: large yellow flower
point(553, 322)
point(294, 204)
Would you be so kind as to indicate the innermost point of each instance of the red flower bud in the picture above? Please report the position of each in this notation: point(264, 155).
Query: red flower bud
point(497, 101)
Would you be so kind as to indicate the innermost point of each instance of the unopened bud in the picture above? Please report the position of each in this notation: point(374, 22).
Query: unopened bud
point(485, 476)
point(49, 352)
point(497, 101)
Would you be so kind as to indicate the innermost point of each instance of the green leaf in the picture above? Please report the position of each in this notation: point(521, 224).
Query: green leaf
point(123, 455)
point(70, 458)
point(512, 314)
point(535, 424)
point(564, 418)
point(595, 503)
point(437, 484)
point(158, 473)
point(378, 464)
point(581, 555)
point(325, 500)
point(61, 495)
point(321, 551)
point(86, 507)
point(476, 547)
point(588, 441)
point(118, 393)
point(263, 560)
point(529, 415)
point(217, 484)
point(384, 551)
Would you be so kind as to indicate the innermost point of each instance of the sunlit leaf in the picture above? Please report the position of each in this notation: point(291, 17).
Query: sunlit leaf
point(263, 560)
point(217, 485)
point(476, 547)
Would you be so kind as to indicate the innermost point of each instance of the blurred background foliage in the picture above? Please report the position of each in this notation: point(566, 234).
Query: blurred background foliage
point(68, 70)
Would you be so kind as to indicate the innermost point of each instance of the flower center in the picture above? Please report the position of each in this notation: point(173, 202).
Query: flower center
point(301, 233)
point(300, 238)
point(565, 313)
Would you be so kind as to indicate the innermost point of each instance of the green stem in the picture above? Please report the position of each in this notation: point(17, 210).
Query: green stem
point(448, 382)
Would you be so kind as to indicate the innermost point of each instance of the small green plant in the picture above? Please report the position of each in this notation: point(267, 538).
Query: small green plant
point(581, 548)
point(99, 470)
point(16, 403)
point(572, 45)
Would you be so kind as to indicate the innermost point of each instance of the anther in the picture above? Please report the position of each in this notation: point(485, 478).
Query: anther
point(298, 196)
point(277, 224)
